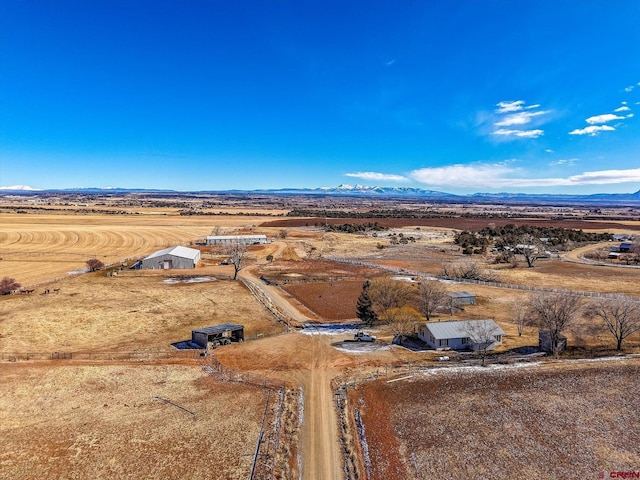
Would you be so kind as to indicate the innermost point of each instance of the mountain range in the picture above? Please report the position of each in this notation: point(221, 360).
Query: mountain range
point(621, 199)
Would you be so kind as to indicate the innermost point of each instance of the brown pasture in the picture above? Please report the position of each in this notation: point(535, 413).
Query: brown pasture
point(103, 421)
point(531, 422)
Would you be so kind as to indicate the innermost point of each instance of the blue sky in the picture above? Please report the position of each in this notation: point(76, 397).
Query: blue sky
point(459, 96)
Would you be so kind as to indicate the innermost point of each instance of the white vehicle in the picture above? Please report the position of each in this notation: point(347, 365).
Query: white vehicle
point(364, 337)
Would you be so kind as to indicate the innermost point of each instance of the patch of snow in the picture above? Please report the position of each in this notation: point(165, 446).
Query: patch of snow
point(360, 347)
point(331, 329)
point(403, 278)
point(189, 280)
point(78, 272)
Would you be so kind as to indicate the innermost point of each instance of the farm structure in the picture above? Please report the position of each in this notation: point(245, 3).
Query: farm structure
point(216, 335)
point(461, 334)
point(236, 239)
point(546, 345)
point(462, 298)
point(173, 257)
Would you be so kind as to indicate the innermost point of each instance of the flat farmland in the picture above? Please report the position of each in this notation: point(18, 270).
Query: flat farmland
point(546, 422)
point(82, 422)
point(38, 247)
point(134, 311)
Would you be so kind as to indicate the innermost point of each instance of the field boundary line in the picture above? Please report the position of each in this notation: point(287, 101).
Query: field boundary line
point(486, 283)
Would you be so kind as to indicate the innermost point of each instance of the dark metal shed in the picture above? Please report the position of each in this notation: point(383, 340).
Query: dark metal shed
point(211, 337)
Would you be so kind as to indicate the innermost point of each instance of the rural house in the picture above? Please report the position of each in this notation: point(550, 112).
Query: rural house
point(236, 239)
point(173, 257)
point(461, 334)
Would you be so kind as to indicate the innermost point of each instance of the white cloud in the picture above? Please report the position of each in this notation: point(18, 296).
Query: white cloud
point(501, 176)
point(506, 107)
point(630, 115)
point(629, 88)
point(520, 118)
point(568, 161)
point(623, 108)
point(519, 133)
point(593, 130)
point(461, 175)
point(548, 150)
point(390, 62)
point(378, 176)
point(607, 117)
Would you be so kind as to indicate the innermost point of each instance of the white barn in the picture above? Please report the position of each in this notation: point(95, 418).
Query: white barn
point(236, 239)
point(461, 334)
point(173, 257)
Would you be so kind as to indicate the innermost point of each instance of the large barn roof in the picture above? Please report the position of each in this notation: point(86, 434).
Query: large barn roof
point(460, 328)
point(178, 251)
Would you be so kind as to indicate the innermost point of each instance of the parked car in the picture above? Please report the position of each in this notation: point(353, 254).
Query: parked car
point(363, 337)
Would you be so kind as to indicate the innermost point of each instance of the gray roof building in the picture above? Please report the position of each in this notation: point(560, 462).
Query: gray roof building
point(461, 334)
point(172, 257)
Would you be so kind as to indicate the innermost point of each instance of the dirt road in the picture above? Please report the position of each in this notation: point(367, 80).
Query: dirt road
point(321, 451)
point(320, 448)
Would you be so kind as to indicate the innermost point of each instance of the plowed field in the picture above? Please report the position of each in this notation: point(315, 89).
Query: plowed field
point(38, 247)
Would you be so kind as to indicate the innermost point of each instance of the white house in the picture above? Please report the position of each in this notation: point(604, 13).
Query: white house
point(461, 334)
point(173, 257)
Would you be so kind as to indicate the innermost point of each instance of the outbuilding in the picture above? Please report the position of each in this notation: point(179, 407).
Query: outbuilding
point(211, 337)
point(545, 342)
point(173, 257)
point(236, 239)
point(462, 298)
point(461, 334)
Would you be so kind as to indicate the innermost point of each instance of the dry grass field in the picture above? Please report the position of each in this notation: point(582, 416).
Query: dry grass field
point(136, 310)
point(519, 423)
point(85, 418)
point(37, 247)
point(82, 422)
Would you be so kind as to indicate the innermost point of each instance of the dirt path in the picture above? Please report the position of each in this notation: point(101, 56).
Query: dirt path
point(321, 451)
point(287, 304)
point(320, 448)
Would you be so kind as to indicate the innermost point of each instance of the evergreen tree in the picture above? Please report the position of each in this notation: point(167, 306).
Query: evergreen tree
point(364, 310)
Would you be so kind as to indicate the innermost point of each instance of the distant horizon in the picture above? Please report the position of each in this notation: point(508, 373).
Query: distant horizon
point(461, 96)
point(337, 188)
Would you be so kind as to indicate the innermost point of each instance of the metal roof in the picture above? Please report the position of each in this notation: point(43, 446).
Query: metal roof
point(219, 328)
point(461, 294)
point(234, 237)
point(460, 328)
point(178, 251)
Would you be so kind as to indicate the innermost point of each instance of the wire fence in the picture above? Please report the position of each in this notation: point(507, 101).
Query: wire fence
point(133, 356)
point(512, 286)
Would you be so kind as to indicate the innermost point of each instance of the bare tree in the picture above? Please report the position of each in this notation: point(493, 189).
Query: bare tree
point(431, 296)
point(621, 317)
point(8, 285)
point(93, 264)
point(554, 312)
point(402, 321)
point(237, 257)
point(520, 316)
point(481, 335)
point(386, 293)
point(467, 269)
point(530, 248)
point(283, 233)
